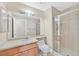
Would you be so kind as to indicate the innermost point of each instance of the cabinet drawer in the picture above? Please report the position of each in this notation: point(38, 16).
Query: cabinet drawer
point(13, 51)
point(26, 47)
point(9, 52)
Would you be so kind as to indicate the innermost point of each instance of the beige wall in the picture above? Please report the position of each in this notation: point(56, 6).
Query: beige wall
point(49, 24)
point(70, 8)
point(2, 38)
point(55, 35)
point(48, 27)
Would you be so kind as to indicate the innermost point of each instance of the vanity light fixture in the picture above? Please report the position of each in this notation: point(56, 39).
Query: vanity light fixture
point(26, 12)
point(29, 13)
point(42, 3)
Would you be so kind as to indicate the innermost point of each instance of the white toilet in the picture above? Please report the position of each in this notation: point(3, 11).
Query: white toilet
point(43, 47)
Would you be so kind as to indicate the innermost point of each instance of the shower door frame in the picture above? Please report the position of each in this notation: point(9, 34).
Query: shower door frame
point(56, 41)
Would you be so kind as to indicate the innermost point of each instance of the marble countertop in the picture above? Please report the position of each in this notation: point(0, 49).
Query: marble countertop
point(16, 43)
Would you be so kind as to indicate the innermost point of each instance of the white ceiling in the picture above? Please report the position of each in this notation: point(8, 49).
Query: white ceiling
point(45, 5)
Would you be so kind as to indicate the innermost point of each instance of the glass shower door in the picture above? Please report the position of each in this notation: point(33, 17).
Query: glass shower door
point(56, 41)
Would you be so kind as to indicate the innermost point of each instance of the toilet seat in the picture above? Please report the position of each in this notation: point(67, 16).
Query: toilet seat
point(44, 48)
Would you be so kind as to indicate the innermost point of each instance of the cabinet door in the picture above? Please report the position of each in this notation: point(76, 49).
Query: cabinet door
point(33, 52)
point(30, 52)
point(3, 53)
point(25, 53)
point(19, 54)
point(12, 52)
point(27, 47)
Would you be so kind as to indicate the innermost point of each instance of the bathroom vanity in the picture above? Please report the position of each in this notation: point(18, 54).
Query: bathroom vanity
point(28, 49)
point(14, 26)
point(21, 47)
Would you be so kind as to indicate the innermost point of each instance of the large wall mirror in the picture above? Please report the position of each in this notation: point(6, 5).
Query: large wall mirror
point(21, 26)
point(16, 24)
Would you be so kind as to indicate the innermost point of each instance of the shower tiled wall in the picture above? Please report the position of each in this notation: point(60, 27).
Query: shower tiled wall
point(70, 33)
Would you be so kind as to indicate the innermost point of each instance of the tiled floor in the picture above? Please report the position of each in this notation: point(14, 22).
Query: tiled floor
point(50, 54)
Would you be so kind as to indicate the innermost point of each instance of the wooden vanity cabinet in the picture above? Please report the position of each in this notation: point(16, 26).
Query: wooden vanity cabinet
point(9, 52)
point(25, 50)
point(31, 52)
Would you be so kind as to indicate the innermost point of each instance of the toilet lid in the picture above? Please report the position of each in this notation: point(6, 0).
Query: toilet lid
point(44, 48)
